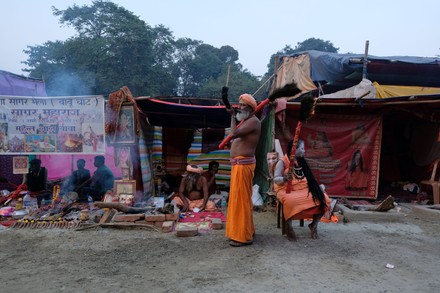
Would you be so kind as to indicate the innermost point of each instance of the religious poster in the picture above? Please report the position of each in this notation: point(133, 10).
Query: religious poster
point(343, 152)
point(125, 131)
point(55, 125)
point(20, 165)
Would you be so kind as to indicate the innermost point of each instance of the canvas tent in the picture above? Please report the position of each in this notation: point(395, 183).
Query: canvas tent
point(17, 85)
point(185, 130)
point(331, 72)
point(397, 135)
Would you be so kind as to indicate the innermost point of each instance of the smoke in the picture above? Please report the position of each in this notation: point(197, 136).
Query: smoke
point(64, 83)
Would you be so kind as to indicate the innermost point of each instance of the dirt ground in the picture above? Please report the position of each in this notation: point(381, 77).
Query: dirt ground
point(350, 257)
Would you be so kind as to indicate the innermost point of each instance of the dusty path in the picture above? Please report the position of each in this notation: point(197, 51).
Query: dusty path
point(347, 258)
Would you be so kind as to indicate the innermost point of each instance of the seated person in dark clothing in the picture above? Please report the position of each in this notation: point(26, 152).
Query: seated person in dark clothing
point(79, 178)
point(210, 177)
point(36, 181)
point(101, 181)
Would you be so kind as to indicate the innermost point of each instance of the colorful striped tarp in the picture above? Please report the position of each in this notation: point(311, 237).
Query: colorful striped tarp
point(223, 176)
point(144, 158)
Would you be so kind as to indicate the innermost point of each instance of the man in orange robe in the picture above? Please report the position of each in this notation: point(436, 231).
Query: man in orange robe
point(239, 222)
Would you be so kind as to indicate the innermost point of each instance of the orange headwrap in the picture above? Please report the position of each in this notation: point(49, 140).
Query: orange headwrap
point(248, 100)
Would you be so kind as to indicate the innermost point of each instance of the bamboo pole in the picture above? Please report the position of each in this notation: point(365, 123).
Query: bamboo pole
point(364, 71)
point(227, 76)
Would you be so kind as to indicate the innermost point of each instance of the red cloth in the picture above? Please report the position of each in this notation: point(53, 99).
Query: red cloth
point(14, 194)
point(197, 203)
point(202, 216)
point(7, 223)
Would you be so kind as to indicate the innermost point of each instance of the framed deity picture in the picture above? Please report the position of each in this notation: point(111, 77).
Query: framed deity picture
point(126, 199)
point(126, 126)
point(125, 187)
point(122, 156)
point(125, 174)
point(20, 165)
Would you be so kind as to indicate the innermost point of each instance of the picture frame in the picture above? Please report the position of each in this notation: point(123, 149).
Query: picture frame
point(122, 156)
point(126, 199)
point(20, 165)
point(125, 187)
point(126, 126)
point(39, 143)
point(125, 174)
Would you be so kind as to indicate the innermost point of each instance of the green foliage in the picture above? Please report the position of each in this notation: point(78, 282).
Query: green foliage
point(315, 44)
point(240, 81)
point(113, 48)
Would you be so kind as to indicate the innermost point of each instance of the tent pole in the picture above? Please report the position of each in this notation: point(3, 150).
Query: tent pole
point(227, 76)
point(364, 71)
point(275, 68)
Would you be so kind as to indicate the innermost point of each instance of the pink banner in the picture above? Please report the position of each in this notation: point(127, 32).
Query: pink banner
point(343, 152)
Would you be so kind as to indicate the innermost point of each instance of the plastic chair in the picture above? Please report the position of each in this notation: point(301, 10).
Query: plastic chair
point(435, 184)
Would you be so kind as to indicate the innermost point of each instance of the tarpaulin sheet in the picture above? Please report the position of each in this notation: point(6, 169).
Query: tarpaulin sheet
point(334, 66)
point(331, 67)
point(388, 91)
point(364, 89)
point(16, 85)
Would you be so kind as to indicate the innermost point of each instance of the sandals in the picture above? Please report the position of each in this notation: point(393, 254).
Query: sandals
point(239, 244)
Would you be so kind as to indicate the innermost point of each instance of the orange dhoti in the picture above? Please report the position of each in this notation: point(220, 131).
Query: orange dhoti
point(239, 220)
point(299, 203)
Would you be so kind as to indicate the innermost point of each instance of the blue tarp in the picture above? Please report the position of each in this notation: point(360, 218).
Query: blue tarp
point(331, 67)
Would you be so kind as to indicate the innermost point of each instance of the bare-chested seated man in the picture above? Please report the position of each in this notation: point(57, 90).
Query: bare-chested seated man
point(193, 191)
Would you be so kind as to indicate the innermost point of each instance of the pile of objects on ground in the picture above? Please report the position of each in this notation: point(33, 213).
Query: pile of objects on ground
point(22, 211)
point(65, 212)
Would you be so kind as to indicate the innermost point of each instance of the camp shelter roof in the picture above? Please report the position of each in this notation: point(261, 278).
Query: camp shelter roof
point(184, 112)
point(425, 107)
point(17, 85)
point(335, 71)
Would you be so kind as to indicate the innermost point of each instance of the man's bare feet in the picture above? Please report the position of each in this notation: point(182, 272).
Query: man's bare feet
point(314, 230)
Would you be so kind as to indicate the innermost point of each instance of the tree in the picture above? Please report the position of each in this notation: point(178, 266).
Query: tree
point(202, 70)
point(240, 81)
point(113, 48)
point(202, 65)
point(315, 44)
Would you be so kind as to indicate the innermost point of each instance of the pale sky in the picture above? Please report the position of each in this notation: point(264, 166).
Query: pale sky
point(255, 28)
